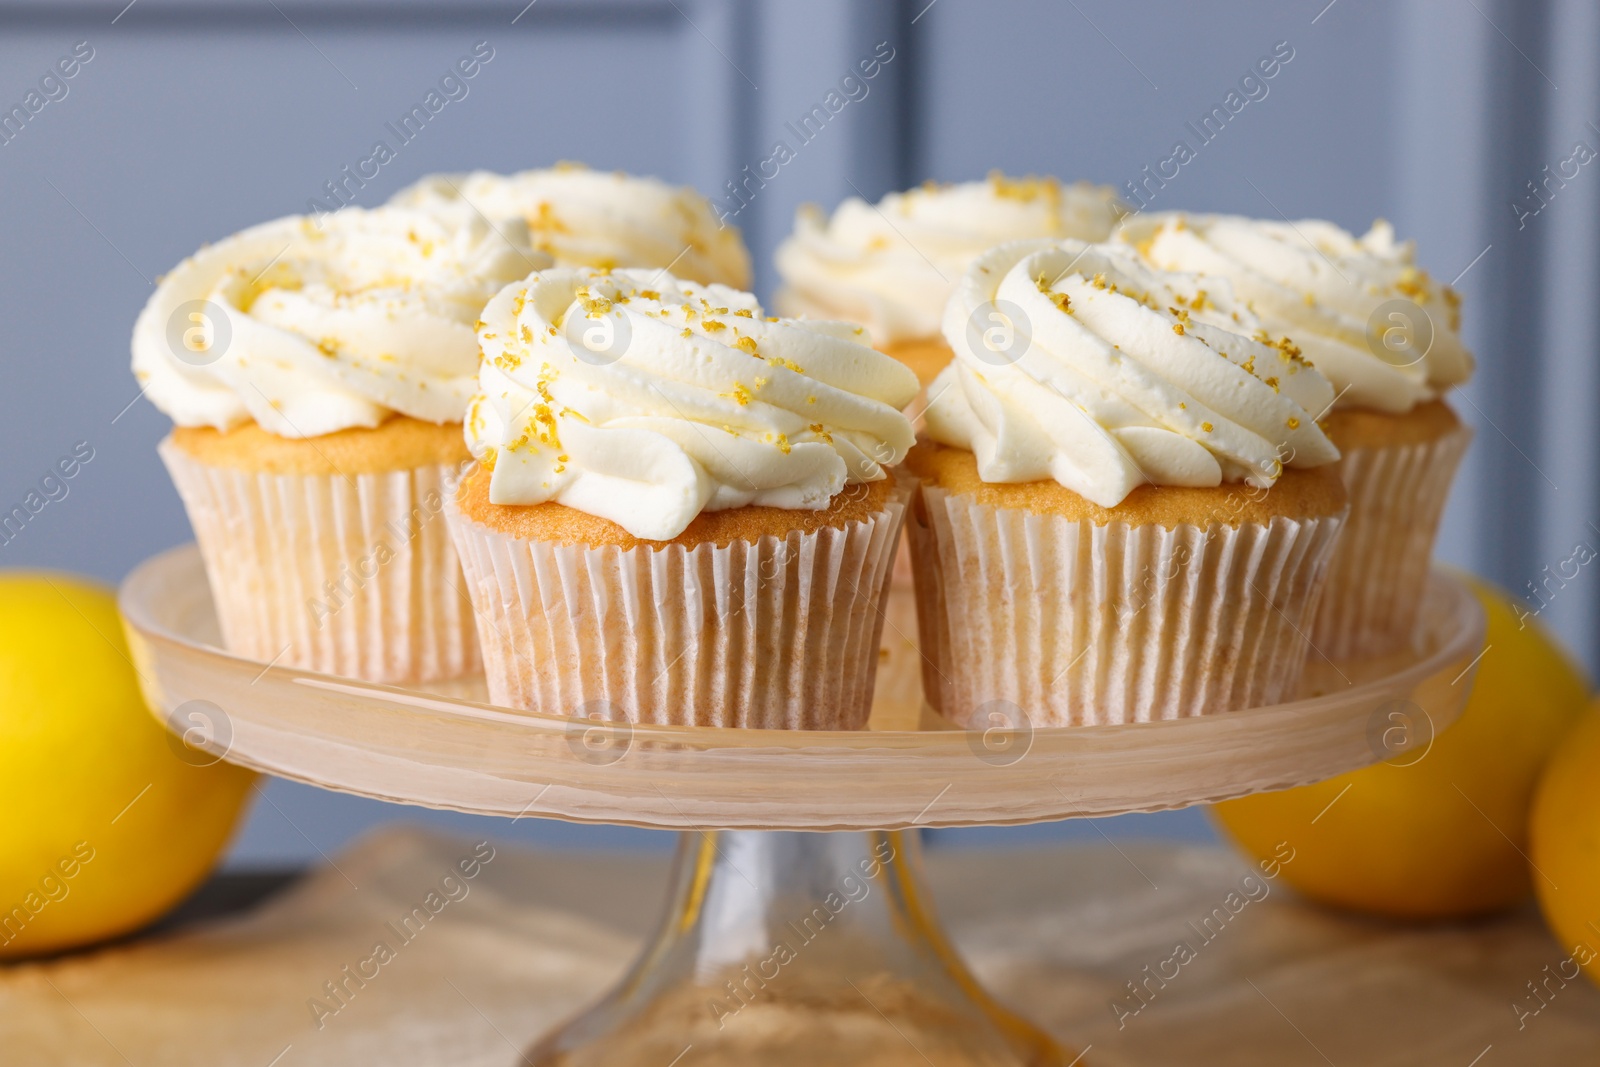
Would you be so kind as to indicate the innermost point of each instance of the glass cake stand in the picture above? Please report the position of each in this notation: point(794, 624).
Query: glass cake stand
point(781, 943)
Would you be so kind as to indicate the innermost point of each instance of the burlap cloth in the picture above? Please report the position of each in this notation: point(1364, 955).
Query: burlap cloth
point(1057, 932)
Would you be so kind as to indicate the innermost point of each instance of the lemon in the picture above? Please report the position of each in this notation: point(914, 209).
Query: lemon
point(1566, 844)
point(1439, 832)
point(109, 820)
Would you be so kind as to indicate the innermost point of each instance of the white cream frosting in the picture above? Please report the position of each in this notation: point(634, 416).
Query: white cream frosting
point(892, 267)
point(608, 219)
point(1106, 374)
point(308, 329)
point(646, 400)
point(1327, 290)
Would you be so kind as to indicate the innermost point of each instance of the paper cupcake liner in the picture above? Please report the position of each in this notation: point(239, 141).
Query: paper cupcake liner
point(1374, 591)
point(355, 576)
point(779, 633)
point(1049, 621)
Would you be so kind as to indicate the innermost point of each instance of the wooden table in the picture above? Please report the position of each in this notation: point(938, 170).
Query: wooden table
point(1065, 933)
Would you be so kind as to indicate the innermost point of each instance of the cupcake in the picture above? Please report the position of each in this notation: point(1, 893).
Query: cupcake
point(587, 218)
point(892, 266)
point(683, 511)
point(1127, 512)
point(1388, 337)
point(317, 375)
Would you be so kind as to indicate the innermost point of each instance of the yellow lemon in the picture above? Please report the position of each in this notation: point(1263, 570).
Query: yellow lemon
point(1438, 832)
point(109, 820)
point(1566, 845)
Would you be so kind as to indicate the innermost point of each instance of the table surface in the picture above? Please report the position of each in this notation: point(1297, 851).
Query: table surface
point(1058, 932)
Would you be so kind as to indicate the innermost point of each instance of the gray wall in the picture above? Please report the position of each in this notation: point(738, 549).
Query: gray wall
point(192, 121)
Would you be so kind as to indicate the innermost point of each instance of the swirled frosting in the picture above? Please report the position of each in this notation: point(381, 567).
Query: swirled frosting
point(1385, 333)
point(587, 218)
point(309, 329)
point(1081, 363)
point(645, 400)
point(892, 266)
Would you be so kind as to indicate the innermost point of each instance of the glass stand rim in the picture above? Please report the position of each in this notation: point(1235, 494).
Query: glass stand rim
point(435, 748)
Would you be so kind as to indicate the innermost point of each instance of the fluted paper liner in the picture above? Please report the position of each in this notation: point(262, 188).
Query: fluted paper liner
point(348, 575)
point(1073, 624)
point(780, 633)
point(1374, 592)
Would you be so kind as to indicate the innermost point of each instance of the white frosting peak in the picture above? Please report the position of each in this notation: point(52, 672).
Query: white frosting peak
point(1080, 363)
point(1385, 333)
point(311, 328)
point(607, 219)
point(891, 266)
point(646, 400)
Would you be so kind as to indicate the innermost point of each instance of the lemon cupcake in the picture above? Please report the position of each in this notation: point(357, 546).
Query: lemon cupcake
point(684, 511)
point(891, 267)
point(317, 375)
point(1126, 514)
point(1388, 337)
point(606, 219)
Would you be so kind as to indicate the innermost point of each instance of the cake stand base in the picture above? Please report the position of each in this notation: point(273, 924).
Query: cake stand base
point(783, 944)
point(790, 948)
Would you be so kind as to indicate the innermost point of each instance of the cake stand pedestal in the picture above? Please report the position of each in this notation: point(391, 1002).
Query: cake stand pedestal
point(781, 943)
